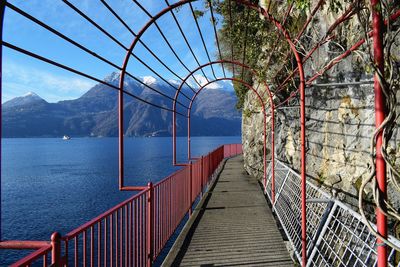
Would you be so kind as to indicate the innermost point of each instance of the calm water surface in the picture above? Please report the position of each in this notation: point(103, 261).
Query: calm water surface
point(53, 185)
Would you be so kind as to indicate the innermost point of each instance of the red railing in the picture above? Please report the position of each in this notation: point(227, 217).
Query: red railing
point(117, 236)
point(40, 256)
point(134, 232)
point(45, 253)
point(232, 149)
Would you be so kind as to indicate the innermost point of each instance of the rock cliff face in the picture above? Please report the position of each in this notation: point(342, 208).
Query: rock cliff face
point(340, 123)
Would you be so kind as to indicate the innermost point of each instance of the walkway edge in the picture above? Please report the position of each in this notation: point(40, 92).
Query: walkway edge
point(180, 240)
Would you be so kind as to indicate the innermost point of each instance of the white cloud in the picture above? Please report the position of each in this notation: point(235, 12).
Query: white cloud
point(203, 81)
point(19, 79)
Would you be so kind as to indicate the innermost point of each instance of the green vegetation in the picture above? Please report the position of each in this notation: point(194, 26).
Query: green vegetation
point(247, 113)
point(247, 37)
point(321, 178)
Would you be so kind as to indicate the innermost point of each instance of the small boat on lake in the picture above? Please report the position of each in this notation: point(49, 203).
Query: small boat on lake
point(66, 137)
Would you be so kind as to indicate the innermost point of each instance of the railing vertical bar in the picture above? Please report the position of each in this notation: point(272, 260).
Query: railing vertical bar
point(140, 246)
point(159, 220)
point(99, 231)
point(155, 225)
point(76, 251)
point(105, 240)
point(159, 212)
point(136, 234)
point(121, 232)
point(126, 234)
point(111, 239)
point(66, 243)
point(116, 238)
point(145, 241)
point(190, 166)
point(161, 216)
point(169, 207)
point(165, 208)
point(84, 248)
point(144, 232)
point(150, 224)
point(91, 246)
point(163, 212)
point(131, 235)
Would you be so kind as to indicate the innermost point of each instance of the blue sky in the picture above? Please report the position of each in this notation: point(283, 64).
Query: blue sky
point(22, 74)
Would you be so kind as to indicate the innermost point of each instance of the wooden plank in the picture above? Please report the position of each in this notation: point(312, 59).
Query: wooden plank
point(233, 226)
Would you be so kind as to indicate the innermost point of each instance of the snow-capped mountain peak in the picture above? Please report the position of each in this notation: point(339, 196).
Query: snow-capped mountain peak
point(149, 80)
point(114, 76)
point(28, 98)
point(31, 94)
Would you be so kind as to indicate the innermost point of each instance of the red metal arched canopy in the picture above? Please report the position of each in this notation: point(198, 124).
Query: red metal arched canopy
point(185, 99)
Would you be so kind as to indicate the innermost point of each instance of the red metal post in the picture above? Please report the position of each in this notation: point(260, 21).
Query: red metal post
point(56, 249)
point(271, 99)
point(201, 176)
point(265, 150)
point(190, 187)
point(272, 155)
point(188, 139)
point(150, 224)
point(302, 135)
point(303, 176)
point(121, 132)
point(380, 110)
point(2, 8)
point(174, 133)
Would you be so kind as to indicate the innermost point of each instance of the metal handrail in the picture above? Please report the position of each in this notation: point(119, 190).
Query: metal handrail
point(34, 256)
point(135, 231)
point(95, 220)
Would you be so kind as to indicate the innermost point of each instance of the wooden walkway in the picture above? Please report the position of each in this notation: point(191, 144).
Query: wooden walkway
point(232, 227)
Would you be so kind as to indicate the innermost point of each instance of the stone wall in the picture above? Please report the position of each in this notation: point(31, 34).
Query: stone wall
point(253, 131)
point(340, 123)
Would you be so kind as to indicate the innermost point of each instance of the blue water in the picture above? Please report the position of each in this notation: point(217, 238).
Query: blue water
point(53, 185)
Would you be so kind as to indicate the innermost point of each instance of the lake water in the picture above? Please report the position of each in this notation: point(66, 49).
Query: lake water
point(53, 185)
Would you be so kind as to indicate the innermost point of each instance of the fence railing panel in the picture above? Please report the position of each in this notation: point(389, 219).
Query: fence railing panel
point(117, 237)
point(336, 235)
point(40, 257)
point(172, 201)
point(134, 232)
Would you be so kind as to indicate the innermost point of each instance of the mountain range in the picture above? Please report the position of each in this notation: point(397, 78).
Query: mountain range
point(95, 112)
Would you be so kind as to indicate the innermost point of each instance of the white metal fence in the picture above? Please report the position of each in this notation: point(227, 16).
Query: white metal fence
point(336, 234)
